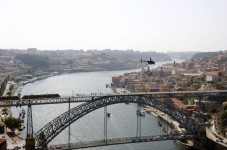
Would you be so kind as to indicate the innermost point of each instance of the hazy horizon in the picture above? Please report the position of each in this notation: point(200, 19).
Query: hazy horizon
point(148, 25)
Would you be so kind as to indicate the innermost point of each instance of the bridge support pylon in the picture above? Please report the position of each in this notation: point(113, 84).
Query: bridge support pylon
point(30, 144)
point(30, 141)
point(105, 124)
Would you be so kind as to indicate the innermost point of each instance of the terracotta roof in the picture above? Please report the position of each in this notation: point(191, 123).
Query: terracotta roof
point(2, 140)
point(178, 103)
point(1, 123)
point(214, 73)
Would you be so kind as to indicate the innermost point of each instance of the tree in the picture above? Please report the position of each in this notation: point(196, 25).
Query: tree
point(4, 110)
point(223, 112)
point(9, 93)
point(3, 85)
point(12, 123)
point(42, 137)
point(11, 87)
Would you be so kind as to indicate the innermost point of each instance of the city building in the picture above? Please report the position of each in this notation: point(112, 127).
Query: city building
point(3, 144)
point(212, 76)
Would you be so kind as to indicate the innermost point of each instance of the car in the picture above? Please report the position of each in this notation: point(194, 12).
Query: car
point(182, 136)
point(157, 138)
point(143, 140)
point(58, 147)
point(134, 140)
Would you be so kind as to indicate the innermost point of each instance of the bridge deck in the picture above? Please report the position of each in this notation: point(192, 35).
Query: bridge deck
point(89, 97)
point(116, 141)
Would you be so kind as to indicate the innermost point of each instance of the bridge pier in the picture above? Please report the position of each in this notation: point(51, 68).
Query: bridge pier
point(105, 124)
point(30, 141)
point(69, 134)
point(30, 144)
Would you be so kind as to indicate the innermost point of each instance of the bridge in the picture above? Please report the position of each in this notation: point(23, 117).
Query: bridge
point(54, 127)
point(115, 141)
point(89, 97)
point(93, 101)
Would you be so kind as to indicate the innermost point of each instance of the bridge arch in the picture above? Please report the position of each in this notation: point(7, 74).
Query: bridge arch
point(54, 127)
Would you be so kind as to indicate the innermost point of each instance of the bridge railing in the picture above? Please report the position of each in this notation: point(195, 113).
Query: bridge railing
point(123, 140)
point(4, 102)
point(54, 127)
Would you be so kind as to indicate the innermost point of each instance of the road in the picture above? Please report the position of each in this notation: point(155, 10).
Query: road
point(15, 141)
point(214, 136)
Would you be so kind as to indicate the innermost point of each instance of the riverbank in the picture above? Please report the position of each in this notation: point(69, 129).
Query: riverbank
point(89, 127)
point(171, 122)
point(166, 118)
point(13, 141)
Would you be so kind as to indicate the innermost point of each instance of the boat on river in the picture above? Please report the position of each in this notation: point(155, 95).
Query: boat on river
point(21, 127)
point(23, 111)
point(140, 113)
point(164, 129)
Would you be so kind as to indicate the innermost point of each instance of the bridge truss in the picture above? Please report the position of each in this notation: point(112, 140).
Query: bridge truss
point(115, 141)
point(96, 101)
point(90, 97)
point(54, 127)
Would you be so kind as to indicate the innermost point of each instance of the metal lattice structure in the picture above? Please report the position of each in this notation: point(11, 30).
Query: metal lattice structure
point(29, 122)
point(105, 124)
point(54, 127)
point(124, 140)
point(90, 97)
point(30, 141)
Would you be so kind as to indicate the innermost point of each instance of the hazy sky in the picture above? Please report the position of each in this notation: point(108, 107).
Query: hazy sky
point(146, 25)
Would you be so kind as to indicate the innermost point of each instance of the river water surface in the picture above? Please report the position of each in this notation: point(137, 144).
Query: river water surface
point(121, 123)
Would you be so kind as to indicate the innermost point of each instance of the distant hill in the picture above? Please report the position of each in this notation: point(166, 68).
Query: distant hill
point(37, 61)
point(90, 60)
point(194, 54)
point(207, 54)
point(182, 55)
point(155, 56)
point(136, 55)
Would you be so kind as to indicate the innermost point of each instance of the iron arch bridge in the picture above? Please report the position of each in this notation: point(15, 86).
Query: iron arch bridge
point(54, 127)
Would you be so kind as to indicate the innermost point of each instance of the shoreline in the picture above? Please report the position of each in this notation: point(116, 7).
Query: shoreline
point(15, 90)
point(12, 141)
point(164, 117)
point(157, 113)
point(171, 122)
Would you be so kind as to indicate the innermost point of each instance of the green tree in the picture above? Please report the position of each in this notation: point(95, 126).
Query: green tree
point(3, 85)
point(12, 123)
point(9, 93)
point(42, 137)
point(223, 112)
point(4, 110)
point(11, 87)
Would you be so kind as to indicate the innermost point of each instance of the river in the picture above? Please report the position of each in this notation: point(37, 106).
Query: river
point(121, 123)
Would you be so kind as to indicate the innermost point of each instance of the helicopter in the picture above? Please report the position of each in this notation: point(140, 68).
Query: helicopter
point(151, 62)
